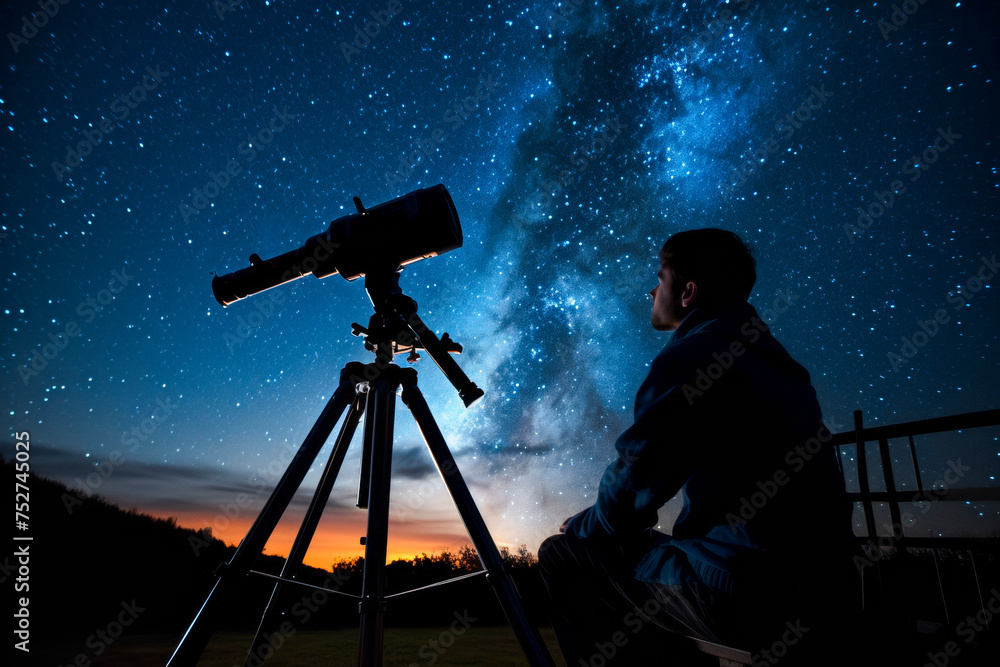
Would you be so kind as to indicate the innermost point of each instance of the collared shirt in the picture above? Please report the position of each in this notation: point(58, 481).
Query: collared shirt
point(730, 421)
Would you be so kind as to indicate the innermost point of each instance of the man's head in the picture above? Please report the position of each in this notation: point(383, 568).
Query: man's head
point(700, 267)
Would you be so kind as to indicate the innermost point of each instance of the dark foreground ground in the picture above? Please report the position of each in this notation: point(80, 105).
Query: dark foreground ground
point(404, 647)
point(485, 646)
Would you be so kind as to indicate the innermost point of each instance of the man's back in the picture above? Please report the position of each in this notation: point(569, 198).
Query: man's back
point(729, 418)
point(762, 464)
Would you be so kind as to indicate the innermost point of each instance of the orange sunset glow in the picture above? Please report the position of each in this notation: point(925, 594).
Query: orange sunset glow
point(337, 537)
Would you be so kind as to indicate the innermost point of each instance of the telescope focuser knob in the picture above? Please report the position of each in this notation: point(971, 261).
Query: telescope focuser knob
point(450, 345)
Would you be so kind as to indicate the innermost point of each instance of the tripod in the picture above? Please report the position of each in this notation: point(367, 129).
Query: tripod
point(365, 389)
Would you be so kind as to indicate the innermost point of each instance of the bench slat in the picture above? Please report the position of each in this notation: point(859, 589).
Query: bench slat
point(734, 656)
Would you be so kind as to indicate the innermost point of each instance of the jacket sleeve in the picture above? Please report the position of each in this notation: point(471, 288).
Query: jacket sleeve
point(656, 455)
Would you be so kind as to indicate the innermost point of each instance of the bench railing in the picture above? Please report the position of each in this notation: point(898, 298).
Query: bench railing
point(895, 498)
point(895, 535)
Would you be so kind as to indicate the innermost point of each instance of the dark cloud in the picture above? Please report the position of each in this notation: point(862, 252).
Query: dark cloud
point(412, 462)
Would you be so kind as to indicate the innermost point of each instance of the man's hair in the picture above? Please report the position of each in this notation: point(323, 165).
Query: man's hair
point(716, 260)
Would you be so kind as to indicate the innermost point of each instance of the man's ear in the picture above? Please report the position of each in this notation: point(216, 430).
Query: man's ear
point(689, 294)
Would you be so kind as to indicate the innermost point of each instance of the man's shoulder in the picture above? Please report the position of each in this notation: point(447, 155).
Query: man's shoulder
point(680, 361)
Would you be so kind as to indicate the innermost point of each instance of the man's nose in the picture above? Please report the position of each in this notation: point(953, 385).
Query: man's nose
point(652, 292)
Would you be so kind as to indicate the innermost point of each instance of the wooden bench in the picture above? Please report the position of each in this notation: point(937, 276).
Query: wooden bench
point(728, 656)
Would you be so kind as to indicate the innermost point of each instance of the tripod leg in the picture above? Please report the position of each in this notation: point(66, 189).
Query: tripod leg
point(200, 631)
point(531, 642)
point(271, 621)
point(366, 464)
point(381, 413)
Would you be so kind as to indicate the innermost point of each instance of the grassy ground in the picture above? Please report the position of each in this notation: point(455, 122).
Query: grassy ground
point(404, 647)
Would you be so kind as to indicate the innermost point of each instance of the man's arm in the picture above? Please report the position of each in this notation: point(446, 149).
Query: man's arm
point(656, 455)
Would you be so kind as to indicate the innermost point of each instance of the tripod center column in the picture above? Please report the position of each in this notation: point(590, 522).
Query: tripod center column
point(380, 410)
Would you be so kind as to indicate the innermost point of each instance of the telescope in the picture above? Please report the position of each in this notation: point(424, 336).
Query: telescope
point(421, 224)
point(375, 243)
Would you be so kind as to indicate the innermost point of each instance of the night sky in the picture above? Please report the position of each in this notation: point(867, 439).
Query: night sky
point(146, 145)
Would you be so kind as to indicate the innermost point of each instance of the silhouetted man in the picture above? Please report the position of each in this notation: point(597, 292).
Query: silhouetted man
point(760, 554)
